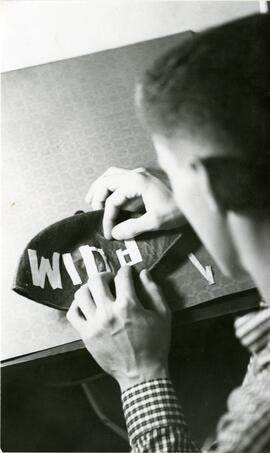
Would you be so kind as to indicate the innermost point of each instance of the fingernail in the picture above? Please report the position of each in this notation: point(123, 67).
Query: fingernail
point(107, 235)
point(146, 273)
point(115, 234)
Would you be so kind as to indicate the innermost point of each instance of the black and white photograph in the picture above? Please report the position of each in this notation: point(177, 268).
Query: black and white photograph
point(135, 226)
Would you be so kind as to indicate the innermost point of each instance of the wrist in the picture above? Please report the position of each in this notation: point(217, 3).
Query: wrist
point(143, 375)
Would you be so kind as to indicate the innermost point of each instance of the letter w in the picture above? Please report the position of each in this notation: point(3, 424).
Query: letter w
point(45, 269)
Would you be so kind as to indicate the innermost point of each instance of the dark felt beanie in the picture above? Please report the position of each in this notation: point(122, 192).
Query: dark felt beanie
point(63, 256)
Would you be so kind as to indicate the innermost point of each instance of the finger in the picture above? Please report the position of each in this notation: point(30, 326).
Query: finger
point(112, 207)
point(98, 193)
point(139, 170)
point(156, 300)
point(115, 171)
point(85, 301)
point(124, 285)
point(103, 186)
point(99, 198)
point(111, 171)
point(131, 183)
point(129, 188)
point(118, 170)
point(133, 227)
point(98, 284)
point(75, 317)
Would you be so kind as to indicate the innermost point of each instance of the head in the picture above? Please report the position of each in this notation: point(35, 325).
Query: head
point(206, 104)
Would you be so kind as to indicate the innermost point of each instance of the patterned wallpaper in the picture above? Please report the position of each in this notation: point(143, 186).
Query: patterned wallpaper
point(64, 124)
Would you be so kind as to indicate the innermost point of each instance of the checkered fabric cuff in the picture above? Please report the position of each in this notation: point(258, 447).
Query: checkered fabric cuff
point(151, 405)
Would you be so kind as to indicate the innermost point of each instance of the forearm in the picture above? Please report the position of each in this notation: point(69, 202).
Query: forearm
point(154, 419)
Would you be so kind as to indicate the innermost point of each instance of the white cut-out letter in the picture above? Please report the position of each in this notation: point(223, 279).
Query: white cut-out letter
point(45, 269)
point(132, 250)
point(206, 271)
point(71, 269)
point(87, 253)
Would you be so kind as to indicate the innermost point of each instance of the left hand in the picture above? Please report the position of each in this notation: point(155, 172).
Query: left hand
point(137, 191)
point(128, 340)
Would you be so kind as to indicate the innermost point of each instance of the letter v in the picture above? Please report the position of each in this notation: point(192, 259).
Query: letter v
point(206, 271)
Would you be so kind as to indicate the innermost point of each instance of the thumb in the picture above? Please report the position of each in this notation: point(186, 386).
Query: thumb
point(132, 227)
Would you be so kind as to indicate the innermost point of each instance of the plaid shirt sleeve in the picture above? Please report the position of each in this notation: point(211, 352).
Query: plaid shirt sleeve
point(155, 422)
point(154, 419)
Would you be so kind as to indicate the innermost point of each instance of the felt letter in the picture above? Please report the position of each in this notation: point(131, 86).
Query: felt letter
point(132, 251)
point(87, 253)
point(71, 269)
point(45, 269)
point(206, 271)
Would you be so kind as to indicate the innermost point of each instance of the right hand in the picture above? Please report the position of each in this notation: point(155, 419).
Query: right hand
point(121, 331)
point(119, 188)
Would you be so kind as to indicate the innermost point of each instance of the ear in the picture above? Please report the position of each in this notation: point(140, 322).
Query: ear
point(204, 181)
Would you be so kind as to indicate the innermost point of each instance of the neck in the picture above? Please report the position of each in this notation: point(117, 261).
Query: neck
point(252, 240)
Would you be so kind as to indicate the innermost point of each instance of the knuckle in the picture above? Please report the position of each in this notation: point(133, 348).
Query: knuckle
point(126, 301)
point(127, 297)
point(99, 280)
point(106, 320)
point(77, 294)
point(137, 179)
point(139, 169)
point(123, 271)
point(94, 282)
point(124, 309)
point(80, 291)
point(156, 221)
point(112, 169)
point(109, 202)
point(94, 279)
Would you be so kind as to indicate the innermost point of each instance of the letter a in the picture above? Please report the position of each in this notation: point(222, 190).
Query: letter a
point(132, 251)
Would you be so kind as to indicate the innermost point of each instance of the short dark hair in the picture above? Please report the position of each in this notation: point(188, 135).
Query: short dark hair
point(218, 83)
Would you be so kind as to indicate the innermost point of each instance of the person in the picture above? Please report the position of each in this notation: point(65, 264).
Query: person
point(206, 105)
